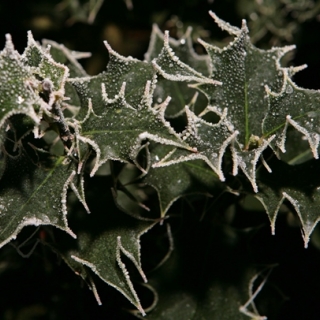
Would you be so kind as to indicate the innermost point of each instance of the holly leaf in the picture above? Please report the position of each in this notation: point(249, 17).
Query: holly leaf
point(15, 76)
point(217, 270)
point(302, 194)
point(179, 92)
point(44, 66)
point(170, 67)
point(296, 107)
point(241, 101)
point(33, 195)
point(244, 71)
point(108, 242)
point(33, 84)
point(69, 58)
point(118, 130)
point(120, 69)
point(183, 49)
point(190, 177)
point(208, 139)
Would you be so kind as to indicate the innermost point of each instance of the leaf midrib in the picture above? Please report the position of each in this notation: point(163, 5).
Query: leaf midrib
point(246, 114)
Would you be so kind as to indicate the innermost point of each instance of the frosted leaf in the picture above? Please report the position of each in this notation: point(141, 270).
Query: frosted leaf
point(44, 66)
point(171, 68)
point(104, 238)
point(15, 77)
point(120, 69)
point(244, 70)
point(297, 185)
point(118, 130)
point(179, 92)
point(307, 209)
point(182, 49)
point(180, 179)
point(247, 161)
point(69, 58)
point(209, 140)
point(296, 107)
point(25, 187)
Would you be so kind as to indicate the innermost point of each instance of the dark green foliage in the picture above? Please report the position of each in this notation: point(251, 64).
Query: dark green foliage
point(200, 152)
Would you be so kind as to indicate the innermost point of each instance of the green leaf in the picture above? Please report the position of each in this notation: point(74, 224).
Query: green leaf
point(104, 239)
point(296, 107)
point(33, 84)
point(133, 72)
point(44, 66)
point(179, 92)
point(297, 148)
point(170, 67)
point(208, 275)
point(208, 139)
point(298, 185)
point(183, 48)
point(33, 195)
point(243, 72)
point(118, 130)
point(69, 58)
point(180, 179)
point(181, 95)
point(15, 94)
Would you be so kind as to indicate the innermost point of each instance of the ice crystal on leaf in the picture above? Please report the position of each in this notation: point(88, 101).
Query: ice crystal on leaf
point(257, 102)
point(103, 253)
point(170, 66)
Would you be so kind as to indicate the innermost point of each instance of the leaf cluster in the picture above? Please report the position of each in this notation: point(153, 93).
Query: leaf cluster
point(82, 157)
